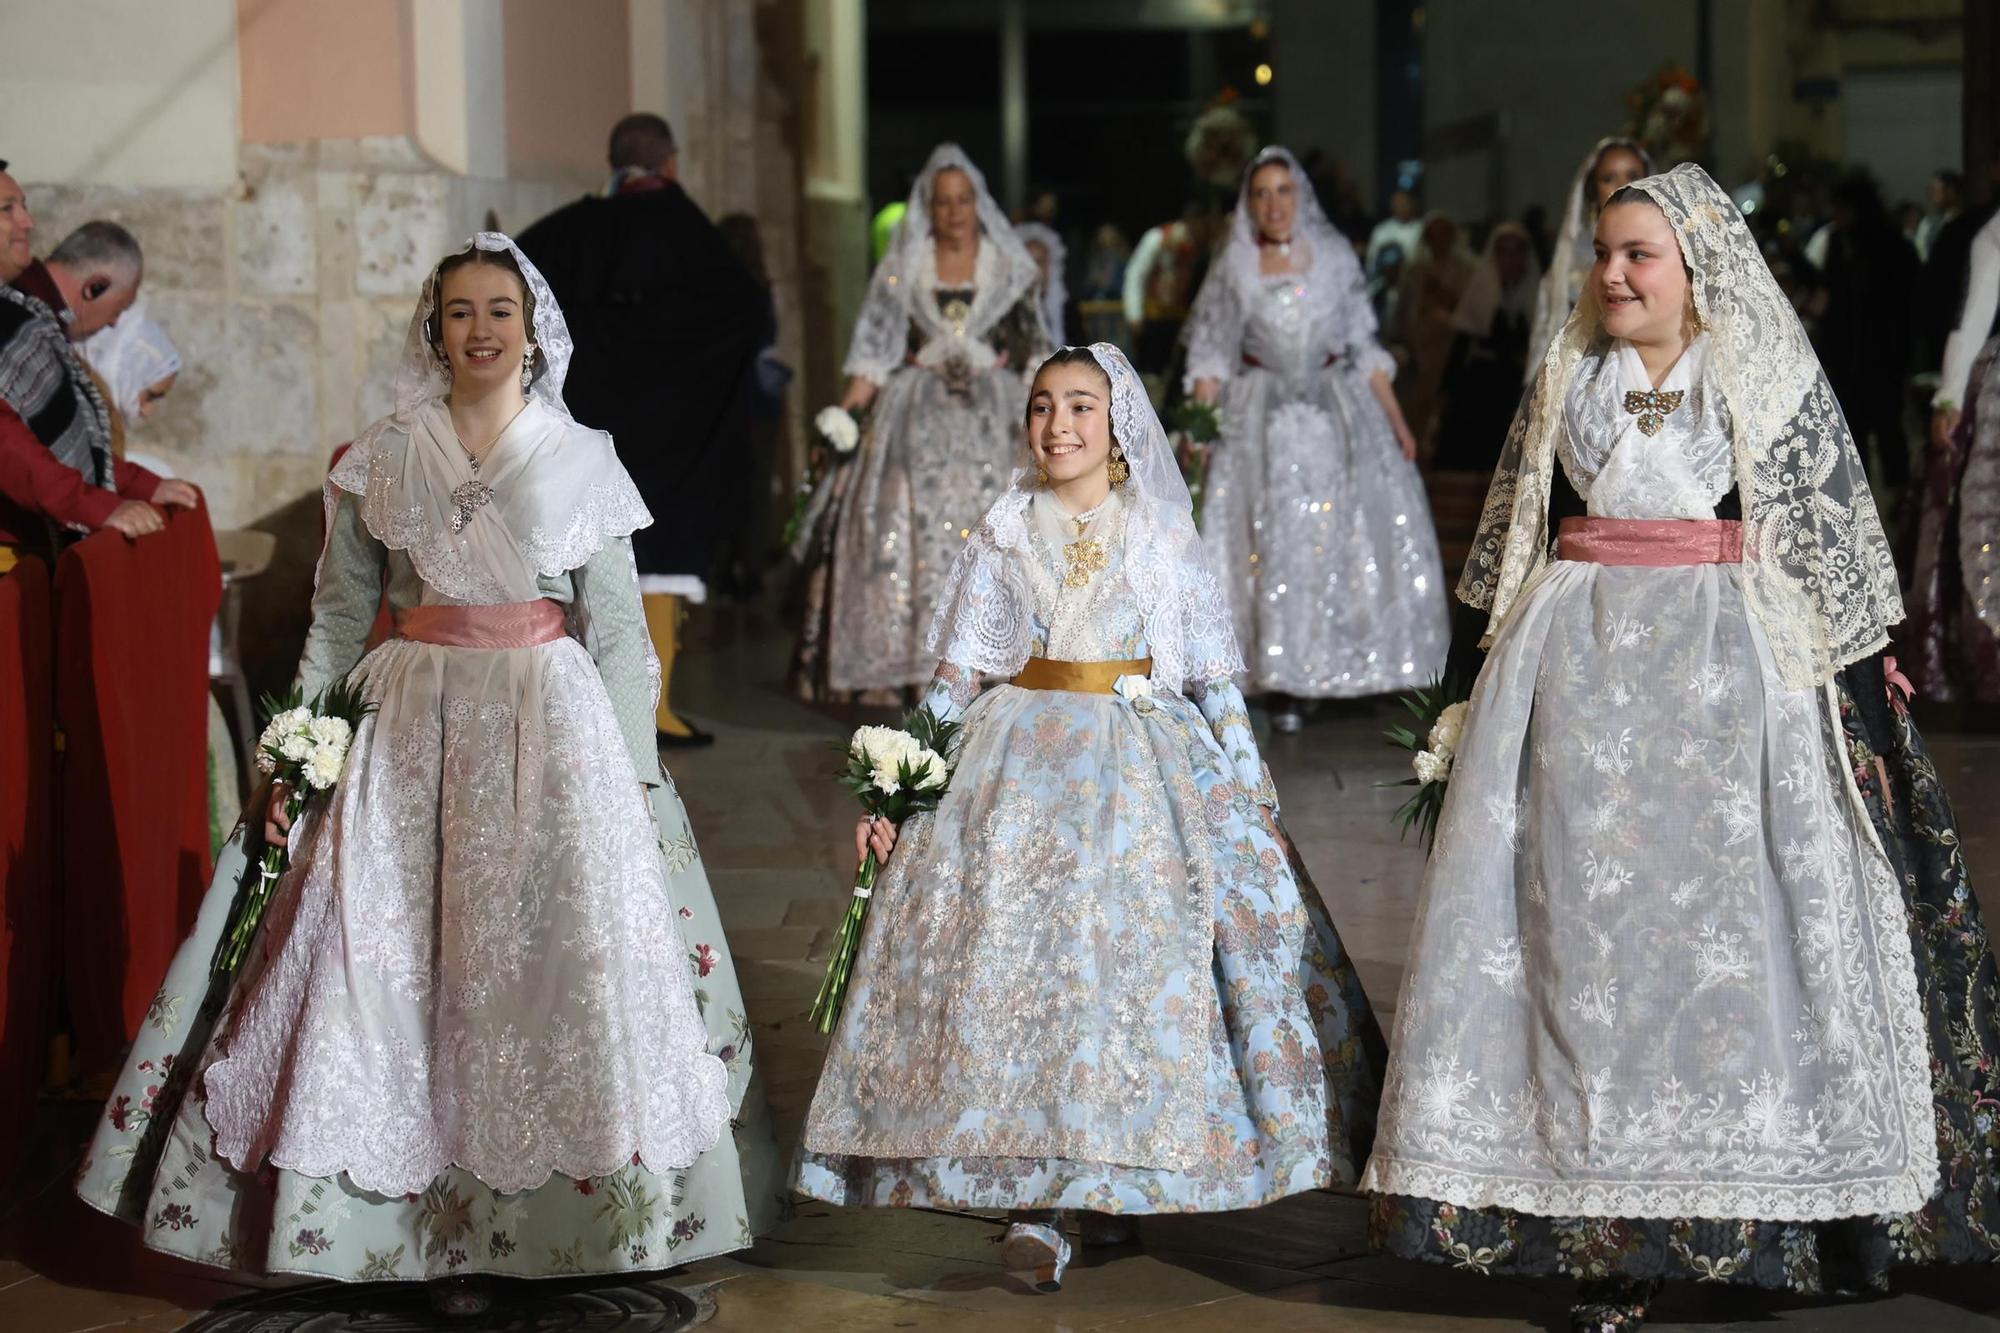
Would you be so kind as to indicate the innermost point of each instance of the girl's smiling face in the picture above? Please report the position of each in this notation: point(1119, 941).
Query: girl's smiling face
point(482, 324)
point(1069, 421)
point(1641, 282)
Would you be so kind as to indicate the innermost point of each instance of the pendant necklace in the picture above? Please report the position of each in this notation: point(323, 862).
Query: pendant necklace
point(1084, 558)
point(469, 497)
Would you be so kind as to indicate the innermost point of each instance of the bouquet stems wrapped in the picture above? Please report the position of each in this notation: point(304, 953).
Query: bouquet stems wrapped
point(305, 747)
point(895, 772)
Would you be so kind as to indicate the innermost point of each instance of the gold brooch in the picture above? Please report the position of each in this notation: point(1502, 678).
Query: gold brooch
point(1084, 559)
point(1653, 407)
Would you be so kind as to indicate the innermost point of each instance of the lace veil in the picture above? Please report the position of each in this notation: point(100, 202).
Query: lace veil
point(1817, 570)
point(1569, 265)
point(1332, 277)
point(903, 289)
point(985, 619)
point(547, 515)
point(1055, 293)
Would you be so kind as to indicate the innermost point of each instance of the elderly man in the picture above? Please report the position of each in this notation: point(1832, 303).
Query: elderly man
point(17, 226)
point(57, 473)
point(667, 323)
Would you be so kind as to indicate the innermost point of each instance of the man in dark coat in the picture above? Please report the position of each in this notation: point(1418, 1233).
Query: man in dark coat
point(667, 324)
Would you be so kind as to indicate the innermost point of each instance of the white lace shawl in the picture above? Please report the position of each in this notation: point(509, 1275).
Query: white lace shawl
point(559, 492)
point(1817, 570)
point(903, 289)
point(985, 622)
point(1334, 288)
point(559, 496)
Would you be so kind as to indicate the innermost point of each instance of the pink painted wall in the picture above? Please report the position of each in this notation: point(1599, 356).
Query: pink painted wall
point(569, 79)
point(317, 70)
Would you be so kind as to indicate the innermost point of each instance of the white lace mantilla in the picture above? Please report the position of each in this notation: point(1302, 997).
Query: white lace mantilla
point(1328, 295)
point(1817, 571)
point(903, 288)
point(985, 620)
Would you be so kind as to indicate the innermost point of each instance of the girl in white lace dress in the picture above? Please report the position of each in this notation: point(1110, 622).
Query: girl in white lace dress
point(1663, 965)
point(1315, 518)
point(470, 1015)
point(1095, 979)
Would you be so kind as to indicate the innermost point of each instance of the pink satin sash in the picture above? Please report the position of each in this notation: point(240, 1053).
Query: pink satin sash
point(1658, 542)
point(503, 625)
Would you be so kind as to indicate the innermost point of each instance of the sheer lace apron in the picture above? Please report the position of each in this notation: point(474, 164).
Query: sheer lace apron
point(473, 962)
point(1661, 966)
point(932, 464)
point(1317, 525)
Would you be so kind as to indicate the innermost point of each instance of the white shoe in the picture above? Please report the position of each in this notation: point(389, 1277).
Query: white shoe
point(1288, 723)
point(1031, 1247)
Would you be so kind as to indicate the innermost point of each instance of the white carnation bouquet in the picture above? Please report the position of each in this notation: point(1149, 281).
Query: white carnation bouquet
point(304, 746)
point(895, 772)
point(839, 429)
point(1440, 712)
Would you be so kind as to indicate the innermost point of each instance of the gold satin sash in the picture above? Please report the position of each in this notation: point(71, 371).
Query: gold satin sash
point(1045, 673)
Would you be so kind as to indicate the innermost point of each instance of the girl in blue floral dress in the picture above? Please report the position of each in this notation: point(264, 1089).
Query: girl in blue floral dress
point(1096, 979)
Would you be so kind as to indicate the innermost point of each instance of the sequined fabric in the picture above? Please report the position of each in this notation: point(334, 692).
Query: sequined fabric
point(1315, 522)
point(939, 448)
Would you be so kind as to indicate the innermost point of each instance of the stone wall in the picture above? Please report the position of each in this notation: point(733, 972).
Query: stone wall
point(289, 295)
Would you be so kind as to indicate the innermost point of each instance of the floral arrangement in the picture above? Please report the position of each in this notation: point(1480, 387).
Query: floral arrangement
point(1669, 114)
point(1440, 711)
point(895, 772)
point(304, 746)
point(840, 431)
point(1198, 425)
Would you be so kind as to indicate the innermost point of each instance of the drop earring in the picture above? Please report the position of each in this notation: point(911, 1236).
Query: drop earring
point(1118, 469)
point(528, 368)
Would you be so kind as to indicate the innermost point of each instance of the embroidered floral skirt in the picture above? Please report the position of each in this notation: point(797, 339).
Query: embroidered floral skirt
point(315, 1001)
point(1093, 980)
point(1961, 1002)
